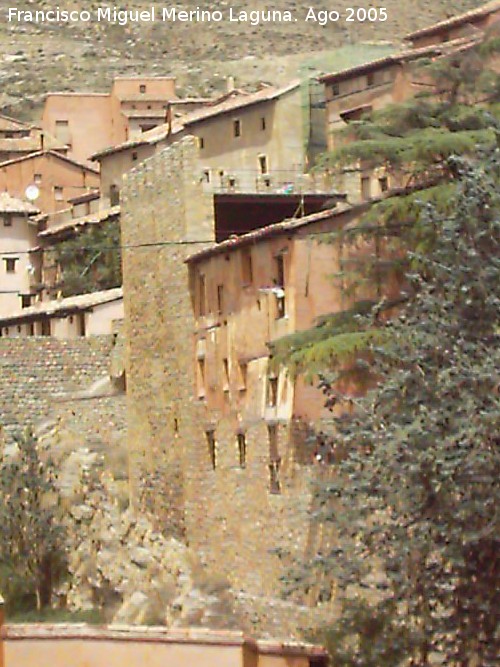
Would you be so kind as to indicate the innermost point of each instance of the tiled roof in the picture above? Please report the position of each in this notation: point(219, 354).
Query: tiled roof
point(455, 21)
point(8, 124)
point(403, 56)
point(10, 204)
point(62, 306)
point(229, 104)
point(269, 231)
point(51, 153)
point(92, 219)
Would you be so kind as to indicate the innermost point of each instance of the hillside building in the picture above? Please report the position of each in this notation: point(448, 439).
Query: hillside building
point(91, 314)
point(90, 122)
point(57, 177)
point(17, 235)
point(469, 24)
point(209, 414)
point(246, 142)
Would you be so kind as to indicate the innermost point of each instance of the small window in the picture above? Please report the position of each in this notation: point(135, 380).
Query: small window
point(383, 183)
point(272, 391)
point(242, 449)
point(263, 123)
point(58, 193)
point(231, 182)
point(243, 372)
point(220, 299)
point(206, 175)
point(82, 330)
point(274, 477)
point(45, 327)
point(370, 79)
point(237, 128)
point(62, 123)
point(225, 375)
point(335, 90)
point(202, 296)
point(366, 187)
point(114, 195)
point(263, 164)
point(25, 300)
point(10, 264)
point(279, 282)
point(37, 179)
point(201, 143)
point(212, 448)
point(7, 220)
point(201, 378)
point(31, 329)
point(246, 266)
point(134, 156)
point(142, 88)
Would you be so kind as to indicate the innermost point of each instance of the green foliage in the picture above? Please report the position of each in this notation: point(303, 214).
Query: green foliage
point(90, 261)
point(32, 538)
point(367, 635)
point(419, 489)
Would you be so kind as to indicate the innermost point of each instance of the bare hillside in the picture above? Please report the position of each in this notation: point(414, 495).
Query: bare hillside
point(35, 58)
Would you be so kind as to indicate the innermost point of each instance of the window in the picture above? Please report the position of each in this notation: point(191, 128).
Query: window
point(142, 88)
point(206, 175)
point(202, 296)
point(246, 266)
point(237, 128)
point(365, 187)
point(201, 377)
point(263, 164)
point(62, 123)
point(114, 195)
point(134, 156)
point(335, 90)
point(45, 327)
point(279, 282)
point(31, 329)
point(81, 324)
point(201, 143)
point(242, 449)
point(220, 299)
point(370, 79)
point(212, 447)
point(272, 391)
point(274, 459)
point(37, 179)
point(7, 220)
point(10, 264)
point(243, 372)
point(225, 375)
point(58, 193)
point(263, 123)
point(384, 183)
point(231, 182)
point(25, 300)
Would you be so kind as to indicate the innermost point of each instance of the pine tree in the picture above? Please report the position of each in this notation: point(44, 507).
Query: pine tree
point(416, 494)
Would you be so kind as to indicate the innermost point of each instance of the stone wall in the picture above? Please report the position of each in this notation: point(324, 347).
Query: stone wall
point(165, 217)
point(38, 373)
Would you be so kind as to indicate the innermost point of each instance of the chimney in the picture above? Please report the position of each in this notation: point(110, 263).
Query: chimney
point(230, 84)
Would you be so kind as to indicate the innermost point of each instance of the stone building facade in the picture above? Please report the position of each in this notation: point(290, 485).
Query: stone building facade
point(218, 438)
point(258, 142)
